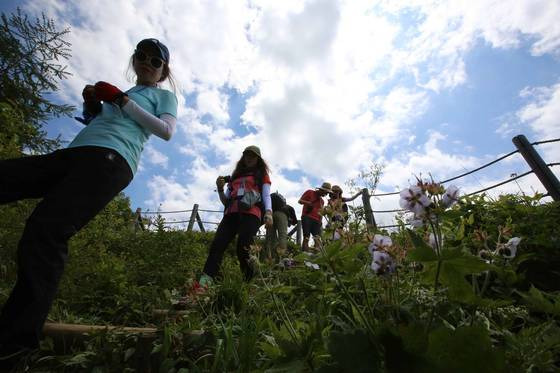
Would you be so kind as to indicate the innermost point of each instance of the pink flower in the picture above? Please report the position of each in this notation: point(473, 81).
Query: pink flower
point(379, 242)
point(414, 199)
point(451, 196)
point(509, 249)
point(383, 263)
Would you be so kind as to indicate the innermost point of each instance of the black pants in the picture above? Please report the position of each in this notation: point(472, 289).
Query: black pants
point(246, 227)
point(310, 226)
point(74, 184)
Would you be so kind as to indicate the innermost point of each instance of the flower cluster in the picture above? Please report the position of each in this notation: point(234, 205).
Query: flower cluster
point(311, 265)
point(414, 199)
point(509, 249)
point(423, 198)
point(382, 263)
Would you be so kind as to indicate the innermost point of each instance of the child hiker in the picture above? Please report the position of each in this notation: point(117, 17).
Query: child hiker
point(75, 183)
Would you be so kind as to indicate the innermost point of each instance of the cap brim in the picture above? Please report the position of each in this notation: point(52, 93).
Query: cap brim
point(162, 53)
point(252, 152)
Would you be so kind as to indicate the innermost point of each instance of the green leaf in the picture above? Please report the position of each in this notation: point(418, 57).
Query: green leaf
point(540, 301)
point(128, 353)
point(466, 349)
point(455, 266)
point(353, 351)
point(422, 252)
point(289, 367)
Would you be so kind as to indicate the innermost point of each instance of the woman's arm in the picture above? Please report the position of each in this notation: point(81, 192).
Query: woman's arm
point(163, 127)
point(267, 201)
point(224, 196)
point(351, 198)
point(305, 202)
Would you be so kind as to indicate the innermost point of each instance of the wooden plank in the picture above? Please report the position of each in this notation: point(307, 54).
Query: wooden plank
point(158, 312)
point(78, 330)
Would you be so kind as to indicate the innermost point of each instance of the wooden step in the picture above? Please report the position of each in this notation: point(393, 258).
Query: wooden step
point(78, 330)
point(163, 312)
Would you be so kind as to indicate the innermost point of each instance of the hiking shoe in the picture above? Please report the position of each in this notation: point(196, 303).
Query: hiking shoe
point(195, 291)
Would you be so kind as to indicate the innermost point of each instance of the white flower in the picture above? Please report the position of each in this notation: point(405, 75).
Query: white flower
point(432, 241)
point(311, 265)
point(416, 222)
point(287, 263)
point(383, 263)
point(414, 199)
point(379, 242)
point(451, 196)
point(509, 249)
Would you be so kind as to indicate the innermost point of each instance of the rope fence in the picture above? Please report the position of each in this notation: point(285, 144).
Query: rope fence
point(538, 167)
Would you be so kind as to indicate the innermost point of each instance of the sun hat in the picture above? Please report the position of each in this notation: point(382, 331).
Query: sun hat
point(163, 51)
point(325, 187)
point(253, 149)
point(336, 188)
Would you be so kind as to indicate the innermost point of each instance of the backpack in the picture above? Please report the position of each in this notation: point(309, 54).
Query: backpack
point(278, 201)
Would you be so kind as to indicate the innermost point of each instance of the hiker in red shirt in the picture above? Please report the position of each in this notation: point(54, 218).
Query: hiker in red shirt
point(248, 189)
point(311, 215)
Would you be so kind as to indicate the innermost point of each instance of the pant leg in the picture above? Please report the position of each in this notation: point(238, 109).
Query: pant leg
point(227, 229)
point(269, 244)
point(281, 226)
point(94, 176)
point(248, 227)
point(31, 176)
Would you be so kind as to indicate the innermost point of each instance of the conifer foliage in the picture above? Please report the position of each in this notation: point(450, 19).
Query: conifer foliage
point(31, 66)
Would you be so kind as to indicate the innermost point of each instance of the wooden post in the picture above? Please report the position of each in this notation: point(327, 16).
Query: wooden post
point(539, 167)
point(299, 233)
point(199, 221)
point(368, 213)
point(194, 214)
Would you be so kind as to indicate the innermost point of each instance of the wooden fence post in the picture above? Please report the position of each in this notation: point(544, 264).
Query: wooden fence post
point(194, 214)
point(299, 233)
point(368, 213)
point(199, 221)
point(539, 167)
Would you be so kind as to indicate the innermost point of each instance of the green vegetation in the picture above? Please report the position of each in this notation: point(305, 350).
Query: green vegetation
point(477, 300)
point(481, 316)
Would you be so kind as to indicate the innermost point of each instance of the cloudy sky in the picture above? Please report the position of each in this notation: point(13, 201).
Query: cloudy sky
point(328, 88)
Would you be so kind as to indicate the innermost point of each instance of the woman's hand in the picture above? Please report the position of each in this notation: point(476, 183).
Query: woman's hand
point(89, 94)
point(268, 221)
point(220, 182)
point(92, 106)
point(109, 93)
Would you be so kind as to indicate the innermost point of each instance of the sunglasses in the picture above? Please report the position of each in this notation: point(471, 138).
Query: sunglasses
point(156, 62)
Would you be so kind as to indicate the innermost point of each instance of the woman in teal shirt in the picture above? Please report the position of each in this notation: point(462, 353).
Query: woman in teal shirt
point(75, 183)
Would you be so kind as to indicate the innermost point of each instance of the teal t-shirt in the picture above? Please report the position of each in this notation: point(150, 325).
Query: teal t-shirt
point(114, 129)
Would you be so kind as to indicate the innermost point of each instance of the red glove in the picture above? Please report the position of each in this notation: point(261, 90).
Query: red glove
point(107, 92)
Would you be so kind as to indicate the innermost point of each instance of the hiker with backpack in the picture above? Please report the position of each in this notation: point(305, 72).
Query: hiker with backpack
point(337, 210)
point(76, 183)
point(284, 215)
point(312, 214)
point(248, 189)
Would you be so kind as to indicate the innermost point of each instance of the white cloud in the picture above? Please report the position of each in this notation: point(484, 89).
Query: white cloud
point(155, 157)
point(331, 85)
point(537, 119)
point(214, 103)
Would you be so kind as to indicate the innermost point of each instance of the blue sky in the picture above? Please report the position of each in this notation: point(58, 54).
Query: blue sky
point(327, 88)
